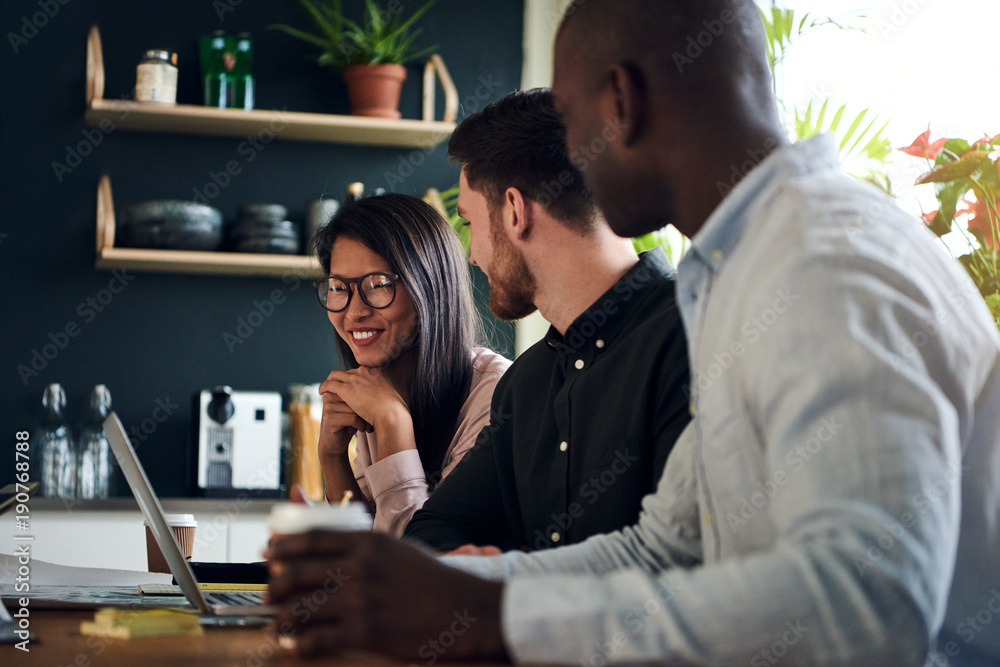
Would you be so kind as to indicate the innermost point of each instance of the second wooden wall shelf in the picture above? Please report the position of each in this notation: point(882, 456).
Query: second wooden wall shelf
point(188, 261)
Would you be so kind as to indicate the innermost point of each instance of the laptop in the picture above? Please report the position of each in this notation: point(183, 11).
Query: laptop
point(208, 603)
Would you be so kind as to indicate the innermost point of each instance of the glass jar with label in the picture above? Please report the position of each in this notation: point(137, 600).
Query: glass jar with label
point(156, 78)
point(305, 414)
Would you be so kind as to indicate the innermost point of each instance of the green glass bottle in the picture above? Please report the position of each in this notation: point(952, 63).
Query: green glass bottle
point(243, 84)
point(217, 61)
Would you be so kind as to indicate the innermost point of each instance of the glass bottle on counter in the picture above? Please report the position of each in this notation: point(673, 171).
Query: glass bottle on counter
point(56, 446)
point(93, 455)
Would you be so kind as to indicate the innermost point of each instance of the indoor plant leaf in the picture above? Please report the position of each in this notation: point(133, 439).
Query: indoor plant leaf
point(948, 171)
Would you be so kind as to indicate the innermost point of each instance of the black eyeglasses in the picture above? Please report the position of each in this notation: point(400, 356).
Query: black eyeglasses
point(378, 290)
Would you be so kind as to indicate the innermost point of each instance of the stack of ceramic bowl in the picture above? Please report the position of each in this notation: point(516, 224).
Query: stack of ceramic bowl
point(169, 224)
point(263, 228)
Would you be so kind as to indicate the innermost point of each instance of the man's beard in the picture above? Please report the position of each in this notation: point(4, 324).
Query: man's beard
point(512, 285)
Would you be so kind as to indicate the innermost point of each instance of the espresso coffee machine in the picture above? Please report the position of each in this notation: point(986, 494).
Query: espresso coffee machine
point(238, 442)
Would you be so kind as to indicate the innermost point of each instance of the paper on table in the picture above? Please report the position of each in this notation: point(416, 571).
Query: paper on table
point(53, 574)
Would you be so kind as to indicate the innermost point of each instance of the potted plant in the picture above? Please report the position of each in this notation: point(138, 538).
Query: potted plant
point(966, 179)
point(370, 54)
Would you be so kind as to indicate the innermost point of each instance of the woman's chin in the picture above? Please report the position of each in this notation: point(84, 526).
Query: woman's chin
point(371, 358)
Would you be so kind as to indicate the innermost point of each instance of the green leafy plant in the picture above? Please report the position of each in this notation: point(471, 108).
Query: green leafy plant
point(863, 147)
point(782, 30)
point(966, 180)
point(674, 243)
point(382, 37)
point(448, 201)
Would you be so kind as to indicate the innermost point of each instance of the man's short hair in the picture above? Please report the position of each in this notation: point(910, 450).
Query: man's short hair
point(520, 141)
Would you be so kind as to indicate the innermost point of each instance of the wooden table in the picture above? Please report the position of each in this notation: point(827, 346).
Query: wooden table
point(60, 644)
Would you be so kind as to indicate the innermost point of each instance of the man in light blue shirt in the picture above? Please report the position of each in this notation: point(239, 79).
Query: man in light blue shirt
point(836, 497)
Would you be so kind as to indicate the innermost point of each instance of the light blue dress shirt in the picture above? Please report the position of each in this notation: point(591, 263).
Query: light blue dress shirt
point(836, 498)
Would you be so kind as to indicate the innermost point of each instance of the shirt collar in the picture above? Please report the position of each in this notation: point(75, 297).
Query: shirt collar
point(609, 314)
point(724, 228)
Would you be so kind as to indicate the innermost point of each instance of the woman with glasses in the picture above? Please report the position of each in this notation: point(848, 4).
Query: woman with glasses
point(416, 390)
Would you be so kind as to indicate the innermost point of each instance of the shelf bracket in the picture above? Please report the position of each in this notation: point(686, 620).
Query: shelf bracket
point(105, 216)
point(95, 67)
point(435, 66)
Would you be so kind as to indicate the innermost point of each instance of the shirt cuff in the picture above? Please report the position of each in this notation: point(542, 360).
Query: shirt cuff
point(399, 468)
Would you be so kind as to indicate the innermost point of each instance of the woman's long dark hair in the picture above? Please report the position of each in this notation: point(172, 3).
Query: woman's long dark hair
point(419, 245)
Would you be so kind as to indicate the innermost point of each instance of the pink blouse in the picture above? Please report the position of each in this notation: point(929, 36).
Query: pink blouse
point(396, 485)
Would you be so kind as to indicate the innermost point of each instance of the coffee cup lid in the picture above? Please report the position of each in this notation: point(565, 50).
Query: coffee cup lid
point(179, 520)
point(297, 518)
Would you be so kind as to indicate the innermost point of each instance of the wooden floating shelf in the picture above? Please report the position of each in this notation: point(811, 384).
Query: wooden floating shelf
point(293, 125)
point(208, 263)
point(188, 261)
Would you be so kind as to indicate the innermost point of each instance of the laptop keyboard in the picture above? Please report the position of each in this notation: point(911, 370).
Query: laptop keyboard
point(235, 598)
point(221, 598)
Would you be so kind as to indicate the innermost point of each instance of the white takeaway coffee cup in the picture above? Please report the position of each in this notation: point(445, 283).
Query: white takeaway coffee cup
point(291, 518)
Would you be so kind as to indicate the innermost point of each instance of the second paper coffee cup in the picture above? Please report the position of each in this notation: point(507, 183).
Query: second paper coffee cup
point(183, 527)
point(290, 518)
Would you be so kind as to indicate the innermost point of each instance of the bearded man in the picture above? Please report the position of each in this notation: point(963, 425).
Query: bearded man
point(583, 421)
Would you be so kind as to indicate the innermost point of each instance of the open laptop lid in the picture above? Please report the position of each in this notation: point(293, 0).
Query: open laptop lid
point(152, 511)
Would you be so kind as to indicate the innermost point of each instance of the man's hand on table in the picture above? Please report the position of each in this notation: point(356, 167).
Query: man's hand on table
point(353, 590)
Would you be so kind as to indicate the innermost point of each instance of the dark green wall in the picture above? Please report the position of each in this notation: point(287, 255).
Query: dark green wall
point(161, 338)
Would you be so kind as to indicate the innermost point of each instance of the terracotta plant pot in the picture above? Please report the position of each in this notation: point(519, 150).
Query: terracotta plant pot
point(373, 90)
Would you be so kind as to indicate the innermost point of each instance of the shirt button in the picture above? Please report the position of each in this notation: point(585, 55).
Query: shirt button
point(599, 344)
point(579, 364)
point(555, 537)
point(563, 446)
